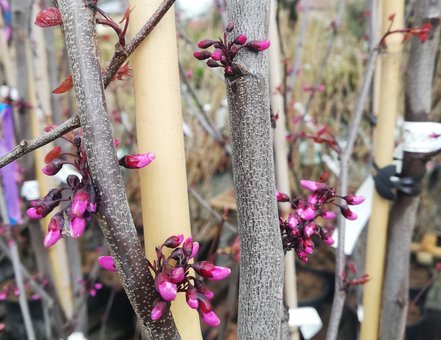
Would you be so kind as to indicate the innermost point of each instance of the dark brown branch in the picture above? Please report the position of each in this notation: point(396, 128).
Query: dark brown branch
point(29, 145)
point(72, 123)
point(121, 56)
point(113, 212)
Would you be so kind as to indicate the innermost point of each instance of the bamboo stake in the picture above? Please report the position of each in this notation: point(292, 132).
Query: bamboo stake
point(383, 149)
point(159, 129)
point(281, 156)
point(57, 253)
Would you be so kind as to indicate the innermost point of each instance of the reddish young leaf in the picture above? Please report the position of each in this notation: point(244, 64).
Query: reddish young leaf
point(48, 17)
point(51, 155)
point(65, 86)
point(123, 71)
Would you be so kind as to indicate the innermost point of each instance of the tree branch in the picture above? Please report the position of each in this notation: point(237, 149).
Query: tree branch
point(113, 211)
point(340, 293)
point(72, 123)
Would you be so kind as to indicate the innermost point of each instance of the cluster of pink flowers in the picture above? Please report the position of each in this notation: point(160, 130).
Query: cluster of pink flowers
point(172, 275)
point(225, 51)
point(78, 193)
point(303, 223)
point(10, 290)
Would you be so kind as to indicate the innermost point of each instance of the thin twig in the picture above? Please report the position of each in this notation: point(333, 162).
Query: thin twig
point(340, 293)
point(35, 286)
point(201, 116)
point(107, 313)
point(28, 145)
point(318, 79)
point(213, 212)
point(72, 123)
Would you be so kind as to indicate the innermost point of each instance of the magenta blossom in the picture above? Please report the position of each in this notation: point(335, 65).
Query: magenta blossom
point(107, 263)
point(80, 203)
point(137, 161)
point(173, 275)
point(210, 318)
point(77, 226)
point(311, 185)
point(258, 45)
point(354, 200)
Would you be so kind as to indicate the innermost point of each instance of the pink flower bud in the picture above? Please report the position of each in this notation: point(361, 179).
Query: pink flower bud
point(3, 296)
point(349, 214)
point(210, 271)
point(177, 275)
point(165, 287)
point(79, 204)
point(107, 263)
point(187, 246)
point(281, 197)
point(258, 45)
point(216, 54)
point(210, 319)
point(77, 226)
point(202, 55)
point(228, 70)
point(313, 199)
point(328, 240)
point(51, 238)
point(116, 142)
point(311, 185)
point(328, 215)
point(292, 221)
point(191, 295)
point(174, 241)
point(33, 213)
point(240, 39)
point(212, 63)
point(137, 161)
point(158, 309)
point(205, 43)
point(195, 249)
point(306, 214)
point(310, 229)
point(53, 167)
point(354, 200)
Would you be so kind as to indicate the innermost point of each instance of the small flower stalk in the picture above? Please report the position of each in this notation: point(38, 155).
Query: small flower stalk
point(226, 50)
point(78, 195)
point(172, 276)
point(310, 217)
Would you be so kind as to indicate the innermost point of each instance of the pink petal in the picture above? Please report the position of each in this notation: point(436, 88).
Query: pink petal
point(107, 263)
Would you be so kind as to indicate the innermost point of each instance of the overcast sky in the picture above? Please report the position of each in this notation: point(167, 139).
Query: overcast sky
point(194, 7)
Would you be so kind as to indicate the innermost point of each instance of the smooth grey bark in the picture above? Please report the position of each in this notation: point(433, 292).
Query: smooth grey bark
point(418, 102)
point(261, 265)
point(114, 214)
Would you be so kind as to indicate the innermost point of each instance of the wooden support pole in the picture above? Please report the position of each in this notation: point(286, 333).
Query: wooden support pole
point(159, 129)
point(390, 80)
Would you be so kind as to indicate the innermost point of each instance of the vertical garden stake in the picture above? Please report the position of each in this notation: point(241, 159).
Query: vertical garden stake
point(383, 149)
point(164, 196)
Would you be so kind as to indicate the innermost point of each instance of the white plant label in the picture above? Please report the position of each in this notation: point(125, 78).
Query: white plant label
point(421, 137)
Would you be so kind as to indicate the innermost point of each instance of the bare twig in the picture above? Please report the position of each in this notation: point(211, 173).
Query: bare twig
point(336, 26)
point(107, 313)
point(72, 123)
point(213, 212)
point(202, 117)
point(340, 293)
point(121, 56)
point(28, 145)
